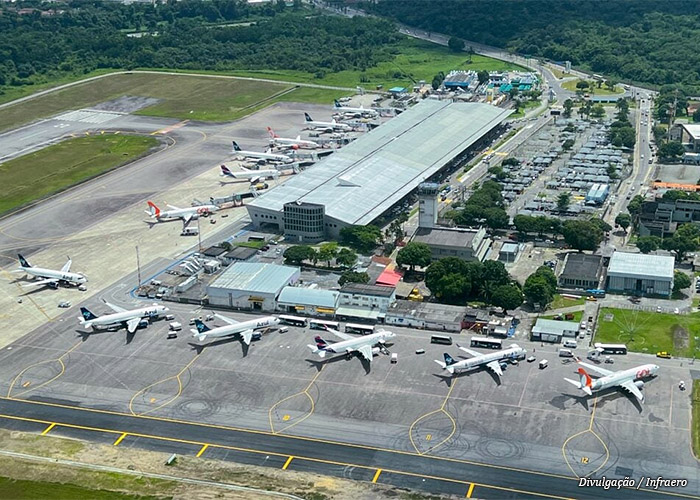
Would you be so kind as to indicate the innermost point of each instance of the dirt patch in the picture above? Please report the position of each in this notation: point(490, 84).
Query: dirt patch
point(305, 485)
point(681, 338)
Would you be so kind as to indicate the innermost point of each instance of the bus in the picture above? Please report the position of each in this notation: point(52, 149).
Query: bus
point(292, 320)
point(610, 348)
point(361, 329)
point(317, 324)
point(441, 339)
point(486, 342)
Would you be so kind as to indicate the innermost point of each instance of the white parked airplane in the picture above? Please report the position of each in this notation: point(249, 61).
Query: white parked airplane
point(354, 112)
point(131, 319)
point(266, 156)
point(291, 143)
point(491, 360)
point(252, 175)
point(51, 277)
point(629, 380)
point(331, 126)
point(363, 345)
point(245, 328)
point(186, 214)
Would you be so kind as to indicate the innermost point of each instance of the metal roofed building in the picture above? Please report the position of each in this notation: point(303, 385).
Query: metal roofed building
point(640, 274)
point(550, 330)
point(427, 315)
point(465, 244)
point(248, 285)
point(581, 270)
point(312, 301)
point(368, 176)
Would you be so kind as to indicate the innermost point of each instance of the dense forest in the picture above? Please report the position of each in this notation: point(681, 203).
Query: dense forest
point(644, 41)
point(40, 42)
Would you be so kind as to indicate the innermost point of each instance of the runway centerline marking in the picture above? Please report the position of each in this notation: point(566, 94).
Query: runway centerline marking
point(289, 461)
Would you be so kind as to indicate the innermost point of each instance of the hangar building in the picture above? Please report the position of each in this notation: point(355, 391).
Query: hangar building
point(248, 285)
point(367, 177)
point(641, 274)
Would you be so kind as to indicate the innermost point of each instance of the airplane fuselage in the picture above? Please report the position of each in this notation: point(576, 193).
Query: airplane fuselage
point(282, 141)
point(253, 324)
point(186, 212)
point(264, 156)
point(354, 344)
point(73, 278)
point(618, 378)
point(476, 361)
point(109, 320)
point(356, 111)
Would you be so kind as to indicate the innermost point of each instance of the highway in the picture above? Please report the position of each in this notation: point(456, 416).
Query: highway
point(440, 475)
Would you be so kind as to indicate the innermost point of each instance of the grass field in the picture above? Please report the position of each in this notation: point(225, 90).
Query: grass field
point(695, 429)
point(558, 302)
point(40, 490)
point(526, 107)
point(57, 167)
point(593, 89)
point(650, 331)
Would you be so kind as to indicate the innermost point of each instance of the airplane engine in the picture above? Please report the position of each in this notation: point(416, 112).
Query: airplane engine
point(639, 384)
point(376, 351)
point(143, 323)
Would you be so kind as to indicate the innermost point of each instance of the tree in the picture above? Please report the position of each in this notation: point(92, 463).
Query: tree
point(483, 76)
point(296, 254)
point(635, 205)
point(568, 107)
point(582, 84)
point(601, 224)
point(563, 201)
point(671, 150)
point(681, 281)
point(346, 257)
point(623, 220)
point(648, 244)
point(598, 111)
point(353, 277)
point(455, 44)
point(514, 162)
point(327, 252)
point(414, 254)
point(582, 235)
point(507, 297)
point(696, 115)
point(537, 291)
point(364, 239)
point(496, 218)
point(568, 144)
point(684, 240)
point(611, 170)
point(449, 280)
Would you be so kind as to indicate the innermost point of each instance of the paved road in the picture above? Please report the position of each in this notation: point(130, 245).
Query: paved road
point(443, 475)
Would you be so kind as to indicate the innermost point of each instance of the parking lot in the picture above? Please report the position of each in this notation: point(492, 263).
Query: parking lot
point(531, 419)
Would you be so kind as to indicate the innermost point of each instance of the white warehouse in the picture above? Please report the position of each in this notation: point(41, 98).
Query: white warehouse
point(640, 274)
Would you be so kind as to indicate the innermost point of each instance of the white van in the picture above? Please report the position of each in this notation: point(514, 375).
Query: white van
point(565, 353)
point(571, 344)
point(175, 326)
point(283, 329)
point(189, 231)
point(394, 357)
point(543, 364)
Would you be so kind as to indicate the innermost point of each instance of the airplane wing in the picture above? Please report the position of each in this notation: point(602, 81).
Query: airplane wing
point(49, 281)
point(186, 219)
point(66, 266)
point(115, 308)
point(601, 371)
point(495, 367)
point(247, 336)
point(633, 389)
point(366, 351)
point(341, 335)
point(469, 351)
point(227, 320)
point(133, 324)
point(255, 180)
point(172, 207)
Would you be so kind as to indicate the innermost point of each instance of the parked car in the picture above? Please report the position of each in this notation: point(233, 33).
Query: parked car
point(64, 304)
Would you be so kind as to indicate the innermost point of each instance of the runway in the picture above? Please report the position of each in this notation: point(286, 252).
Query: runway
point(448, 476)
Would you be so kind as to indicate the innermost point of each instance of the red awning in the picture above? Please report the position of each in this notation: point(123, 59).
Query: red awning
point(389, 277)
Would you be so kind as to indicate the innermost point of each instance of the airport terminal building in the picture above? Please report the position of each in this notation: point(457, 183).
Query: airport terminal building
point(366, 178)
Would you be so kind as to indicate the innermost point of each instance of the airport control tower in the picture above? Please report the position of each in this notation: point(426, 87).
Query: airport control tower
point(428, 204)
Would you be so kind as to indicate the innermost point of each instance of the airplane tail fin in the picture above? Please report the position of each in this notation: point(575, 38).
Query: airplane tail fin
point(272, 133)
point(320, 343)
point(153, 210)
point(22, 261)
point(307, 117)
point(336, 103)
point(449, 360)
point(87, 314)
point(585, 380)
point(225, 171)
point(236, 147)
point(201, 327)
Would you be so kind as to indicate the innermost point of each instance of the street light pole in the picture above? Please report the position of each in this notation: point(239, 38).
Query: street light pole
point(138, 265)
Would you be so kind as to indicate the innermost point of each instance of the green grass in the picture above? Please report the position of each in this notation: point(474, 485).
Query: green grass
point(527, 106)
point(40, 490)
point(593, 88)
point(695, 430)
point(558, 302)
point(57, 167)
point(251, 244)
point(649, 331)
